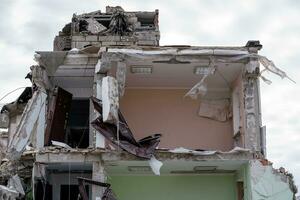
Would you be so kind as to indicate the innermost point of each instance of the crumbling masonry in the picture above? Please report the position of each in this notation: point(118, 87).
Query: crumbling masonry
point(113, 115)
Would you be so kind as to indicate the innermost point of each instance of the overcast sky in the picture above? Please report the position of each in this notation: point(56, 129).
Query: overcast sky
point(29, 25)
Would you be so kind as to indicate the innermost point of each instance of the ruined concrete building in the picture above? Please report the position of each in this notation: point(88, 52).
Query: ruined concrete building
point(113, 115)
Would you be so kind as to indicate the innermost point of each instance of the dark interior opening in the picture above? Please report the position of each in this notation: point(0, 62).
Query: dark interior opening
point(43, 190)
point(78, 124)
point(71, 192)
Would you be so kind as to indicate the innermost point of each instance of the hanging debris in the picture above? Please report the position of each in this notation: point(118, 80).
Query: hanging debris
point(143, 148)
point(215, 109)
point(201, 87)
point(119, 24)
point(107, 195)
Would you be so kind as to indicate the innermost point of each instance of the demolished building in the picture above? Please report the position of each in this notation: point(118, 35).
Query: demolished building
point(113, 115)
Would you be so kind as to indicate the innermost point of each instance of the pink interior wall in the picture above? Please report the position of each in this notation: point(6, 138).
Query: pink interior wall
point(149, 111)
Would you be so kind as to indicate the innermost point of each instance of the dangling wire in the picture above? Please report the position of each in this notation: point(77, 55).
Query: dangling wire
point(118, 134)
point(69, 180)
point(11, 92)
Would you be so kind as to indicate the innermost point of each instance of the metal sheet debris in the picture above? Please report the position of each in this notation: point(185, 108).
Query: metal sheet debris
point(107, 195)
point(143, 148)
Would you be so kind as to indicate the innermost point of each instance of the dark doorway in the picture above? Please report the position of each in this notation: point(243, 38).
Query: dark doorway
point(78, 124)
point(71, 192)
point(43, 191)
point(58, 116)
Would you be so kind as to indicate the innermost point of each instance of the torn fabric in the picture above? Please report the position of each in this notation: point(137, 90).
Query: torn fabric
point(143, 148)
point(215, 109)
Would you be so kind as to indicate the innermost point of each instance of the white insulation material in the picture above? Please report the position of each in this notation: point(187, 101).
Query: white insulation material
point(155, 165)
point(267, 184)
point(184, 150)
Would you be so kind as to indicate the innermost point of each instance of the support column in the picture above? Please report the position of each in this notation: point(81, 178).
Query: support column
point(96, 140)
point(98, 175)
point(251, 103)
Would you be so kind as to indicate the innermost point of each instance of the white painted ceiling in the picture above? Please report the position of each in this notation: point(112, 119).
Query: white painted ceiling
point(181, 76)
point(121, 167)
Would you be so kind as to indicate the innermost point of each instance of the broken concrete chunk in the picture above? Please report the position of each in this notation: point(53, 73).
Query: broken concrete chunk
point(267, 183)
point(60, 144)
point(50, 60)
point(4, 120)
point(110, 99)
point(16, 184)
point(94, 26)
point(7, 193)
point(121, 77)
point(215, 109)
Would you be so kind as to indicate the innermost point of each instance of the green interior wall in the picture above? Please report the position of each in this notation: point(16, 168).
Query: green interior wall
point(243, 175)
point(199, 187)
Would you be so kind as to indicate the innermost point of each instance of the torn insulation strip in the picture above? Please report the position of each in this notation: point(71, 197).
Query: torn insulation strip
point(155, 165)
point(268, 65)
point(201, 87)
